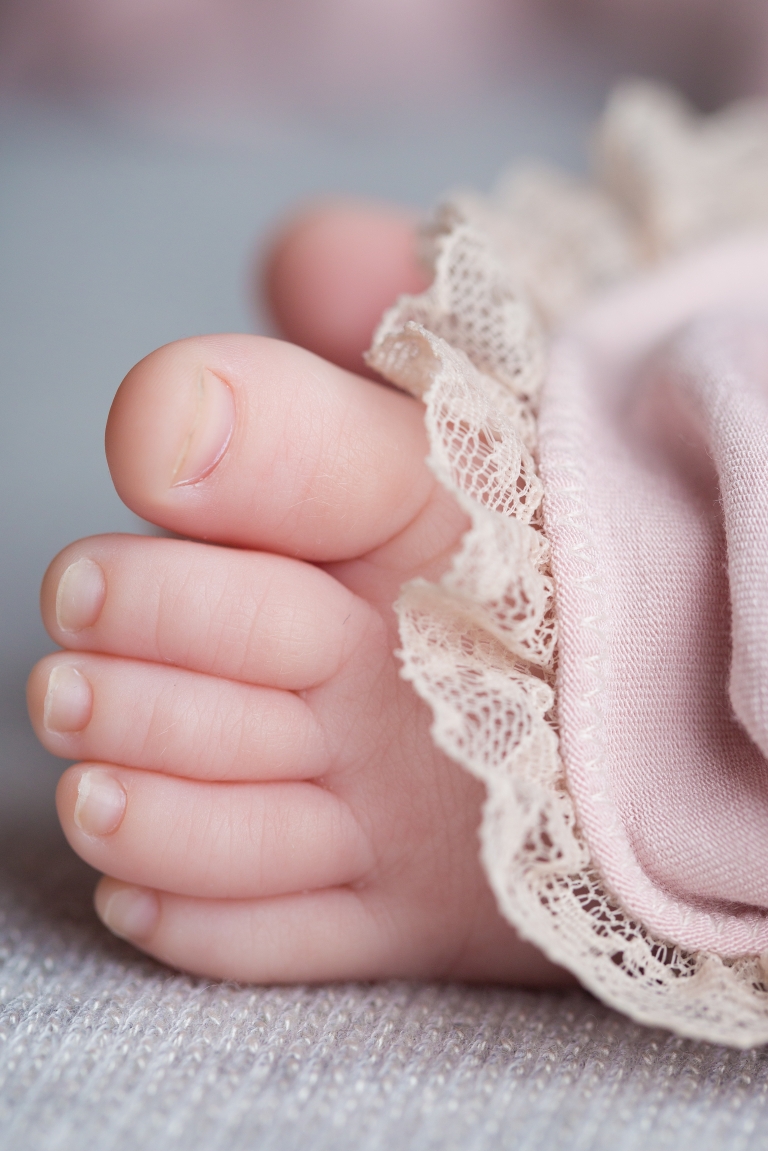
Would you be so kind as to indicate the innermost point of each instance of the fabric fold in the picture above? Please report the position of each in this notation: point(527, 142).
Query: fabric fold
point(596, 399)
point(722, 369)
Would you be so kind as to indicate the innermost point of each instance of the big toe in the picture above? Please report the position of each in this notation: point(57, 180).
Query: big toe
point(249, 441)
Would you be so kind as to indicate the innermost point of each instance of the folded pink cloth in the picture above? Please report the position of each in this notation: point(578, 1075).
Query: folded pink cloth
point(654, 455)
point(593, 362)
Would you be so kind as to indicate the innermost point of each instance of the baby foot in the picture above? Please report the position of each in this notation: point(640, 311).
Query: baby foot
point(258, 784)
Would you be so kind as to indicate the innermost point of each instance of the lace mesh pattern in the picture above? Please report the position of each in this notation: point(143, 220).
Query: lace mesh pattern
point(480, 646)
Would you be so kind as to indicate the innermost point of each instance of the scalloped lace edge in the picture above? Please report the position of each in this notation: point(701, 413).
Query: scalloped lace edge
point(480, 645)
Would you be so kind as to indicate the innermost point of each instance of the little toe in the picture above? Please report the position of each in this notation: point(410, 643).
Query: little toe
point(253, 442)
point(338, 933)
point(312, 936)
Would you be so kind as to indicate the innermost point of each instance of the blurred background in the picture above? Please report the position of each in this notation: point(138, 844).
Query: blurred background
point(147, 147)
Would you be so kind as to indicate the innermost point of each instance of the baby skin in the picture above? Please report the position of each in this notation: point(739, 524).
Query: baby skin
point(256, 782)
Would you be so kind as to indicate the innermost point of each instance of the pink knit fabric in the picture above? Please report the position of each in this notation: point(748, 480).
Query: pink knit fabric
point(654, 455)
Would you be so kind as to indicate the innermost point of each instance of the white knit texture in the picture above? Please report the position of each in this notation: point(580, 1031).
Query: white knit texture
point(103, 1048)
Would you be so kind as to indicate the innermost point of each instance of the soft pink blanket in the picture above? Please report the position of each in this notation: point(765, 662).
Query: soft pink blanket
point(654, 455)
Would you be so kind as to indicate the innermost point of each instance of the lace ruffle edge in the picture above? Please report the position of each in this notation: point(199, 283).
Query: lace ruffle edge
point(480, 646)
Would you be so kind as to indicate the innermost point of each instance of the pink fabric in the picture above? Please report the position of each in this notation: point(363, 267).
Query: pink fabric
point(276, 55)
point(654, 454)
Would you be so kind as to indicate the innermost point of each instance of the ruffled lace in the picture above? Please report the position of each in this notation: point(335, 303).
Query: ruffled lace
point(480, 646)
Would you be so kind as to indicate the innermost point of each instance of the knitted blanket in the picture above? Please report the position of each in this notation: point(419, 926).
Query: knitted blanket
point(102, 1048)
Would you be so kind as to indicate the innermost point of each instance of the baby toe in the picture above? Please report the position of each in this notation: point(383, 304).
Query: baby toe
point(307, 937)
point(213, 840)
point(178, 722)
point(247, 616)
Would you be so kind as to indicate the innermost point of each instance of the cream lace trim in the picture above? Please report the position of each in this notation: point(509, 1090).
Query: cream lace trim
point(480, 646)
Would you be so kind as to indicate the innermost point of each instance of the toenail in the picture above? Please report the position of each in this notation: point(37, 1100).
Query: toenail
point(101, 801)
point(80, 595)
point(68, 700)
point(130, 912)
point(210, 431)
